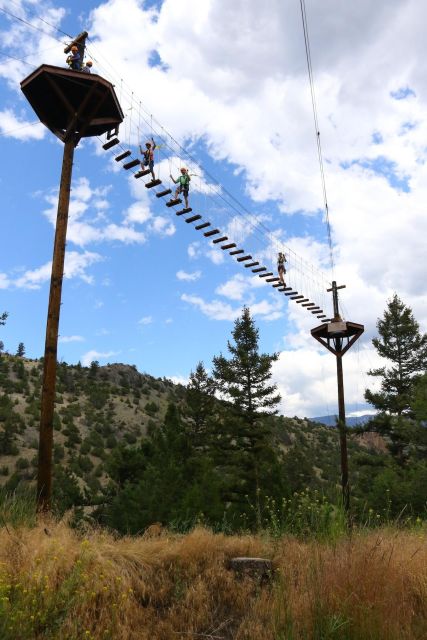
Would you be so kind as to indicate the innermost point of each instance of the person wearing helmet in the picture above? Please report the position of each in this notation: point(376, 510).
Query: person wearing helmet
point(183, 182)
point(281, 259)
point(73, 60)
point(88, 67)
point(148, 156)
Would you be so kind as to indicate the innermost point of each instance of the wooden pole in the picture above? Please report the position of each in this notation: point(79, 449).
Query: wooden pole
point(44, 474)
point(343, 436)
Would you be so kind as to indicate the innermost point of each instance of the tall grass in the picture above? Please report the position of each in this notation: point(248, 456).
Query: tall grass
point(59, 584)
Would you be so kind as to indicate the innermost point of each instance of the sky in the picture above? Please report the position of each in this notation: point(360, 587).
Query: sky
point(223, 89)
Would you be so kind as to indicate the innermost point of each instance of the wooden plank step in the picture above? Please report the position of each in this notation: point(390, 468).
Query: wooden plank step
point(323, 315)
point(221, 239)
point(278, 284)
point(309, 304)
point(258, 270)
point(250, 264)
point(193, 218)
point(141, 173)
point(213, 232)
point(303, 300)
point(166, 192)
point(291, 293)
point(235, 253)
point(173, 202)
point(244, 258)
point(131, 164)
point(296, 297)
point(229, 246)
point(122, 156)
point(110, 143)
point(288, 289)
point(317, 311)
point(265, 275)
point(202, 226)
point(272, 279)
point(153, 183)
point(185, 210)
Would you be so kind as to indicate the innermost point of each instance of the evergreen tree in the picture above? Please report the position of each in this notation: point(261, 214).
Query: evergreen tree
point(243, 435)
point(20, 352)
point(1, 347)
point(200, 403)
point(3, 318)
point(402, 344)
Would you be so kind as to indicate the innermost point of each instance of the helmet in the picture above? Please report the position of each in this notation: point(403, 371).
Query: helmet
point(182, 169)
point(74, 48)
point(89, 63)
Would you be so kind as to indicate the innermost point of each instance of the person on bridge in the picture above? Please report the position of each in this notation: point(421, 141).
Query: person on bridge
point(148, 156)
point(183, 182)
point(73, 60)
point(88, 67)
point(281, 259)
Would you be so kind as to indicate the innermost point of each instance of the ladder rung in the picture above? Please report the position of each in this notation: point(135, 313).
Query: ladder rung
point(166, 192)
point(308, 305)
point(153, 183)
point(144, 172)
point(257, 270)
point(131, 164)
point(235, 253)
point(323, 315)
point(193, 218)
point(212, 232)
point(296, 297)
point(243, 258)
point(229, 246)
point(272, 279)
point(221, 239)
point(122, 156)
point(173, 202)
point(185, 210)
point(303, 300)
point(110, 143)
point(250, 264)
point(287, 289)
point(278, 284)
point(202, 226)
point(291, 293)
point(265, 275)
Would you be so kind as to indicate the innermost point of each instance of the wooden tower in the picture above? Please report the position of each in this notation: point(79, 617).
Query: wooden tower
point(73, 105)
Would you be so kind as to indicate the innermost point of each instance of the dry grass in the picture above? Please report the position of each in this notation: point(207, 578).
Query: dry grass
point(56, 584)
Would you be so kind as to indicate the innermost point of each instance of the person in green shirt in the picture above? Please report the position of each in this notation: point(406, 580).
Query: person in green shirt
point(183, 182)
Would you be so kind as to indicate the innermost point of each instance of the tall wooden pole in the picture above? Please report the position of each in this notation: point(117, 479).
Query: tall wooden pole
point(44, 476)
point(343, 436)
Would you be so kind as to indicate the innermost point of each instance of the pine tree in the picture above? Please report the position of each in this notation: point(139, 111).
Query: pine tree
point(3, 318)
point(402, 344)
point(200, 401)
point(243, 435)
point(20, 352)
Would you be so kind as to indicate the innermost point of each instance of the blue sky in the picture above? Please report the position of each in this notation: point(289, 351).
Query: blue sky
point(228, 86)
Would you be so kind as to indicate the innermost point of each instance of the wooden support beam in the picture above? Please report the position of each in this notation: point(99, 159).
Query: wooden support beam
point(258, 270)
point(153, 183)
point(272, 279)
point(265, 275)
point(250, 264)
point(193, 218)
point(236, 252)
point(212, 232)
point(110, 143)
point(202, 226)
point(122, 156)
point(229, 246)
point(131, 164)
point(166, 192)
point(221, 239)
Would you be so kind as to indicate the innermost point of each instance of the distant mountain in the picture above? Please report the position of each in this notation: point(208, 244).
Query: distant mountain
point(353, 421)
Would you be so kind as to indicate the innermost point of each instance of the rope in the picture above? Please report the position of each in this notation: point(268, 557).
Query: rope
point(317, 131)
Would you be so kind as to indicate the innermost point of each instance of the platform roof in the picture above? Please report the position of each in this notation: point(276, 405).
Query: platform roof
point(72, 102)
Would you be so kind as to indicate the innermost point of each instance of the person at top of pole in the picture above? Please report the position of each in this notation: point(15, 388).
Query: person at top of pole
point(281, 270)
point(148, 156)
point(88, 67)
point(183, 182)
point(74, 58)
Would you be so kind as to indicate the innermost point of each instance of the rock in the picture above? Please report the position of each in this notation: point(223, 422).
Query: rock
point(259, 568)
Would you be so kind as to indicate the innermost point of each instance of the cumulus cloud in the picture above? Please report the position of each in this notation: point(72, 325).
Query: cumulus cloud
point(76, 265)
point(94, 355)
point(145, 320)
point(14, 127)
point(189, 277)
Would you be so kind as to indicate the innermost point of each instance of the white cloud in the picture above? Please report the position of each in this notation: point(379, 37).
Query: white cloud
point(76, 265)
point(189, 277)
point(92, 355)
point(145, 320)
point(65, 339)
point(13, 127)
point(4, 281)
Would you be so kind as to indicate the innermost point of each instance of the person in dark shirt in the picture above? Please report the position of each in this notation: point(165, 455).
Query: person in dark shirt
point(73, 60)
point(88, 67)
point(281, 259)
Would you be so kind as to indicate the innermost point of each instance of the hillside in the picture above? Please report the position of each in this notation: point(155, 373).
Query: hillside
point(103, 412)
